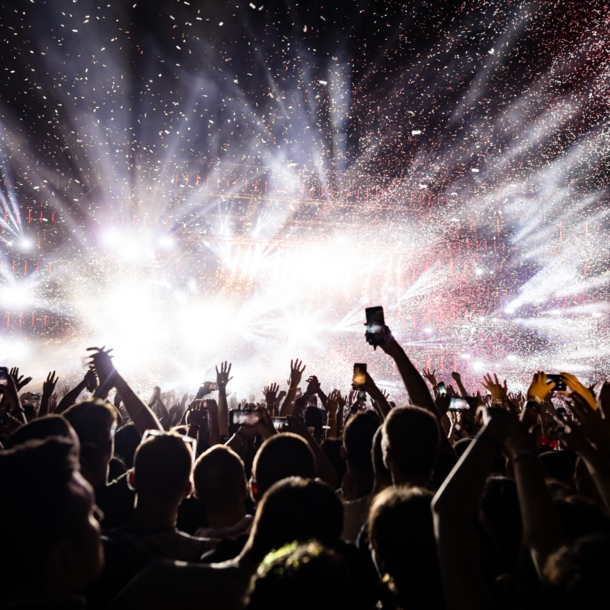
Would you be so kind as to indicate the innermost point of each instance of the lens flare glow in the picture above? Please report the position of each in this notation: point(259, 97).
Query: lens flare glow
point(189, 192)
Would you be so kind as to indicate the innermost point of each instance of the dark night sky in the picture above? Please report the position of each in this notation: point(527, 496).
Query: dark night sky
point(449, 69)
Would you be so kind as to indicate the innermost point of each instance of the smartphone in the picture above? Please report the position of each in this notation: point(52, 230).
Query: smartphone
point(280, 423)
point(213, 386)
point(3, 375)
point(375, 324)
point(362, 396)
point(560, 384)
point(458, 404)
point(359, 378)
point(244, 418)
point(441, 388)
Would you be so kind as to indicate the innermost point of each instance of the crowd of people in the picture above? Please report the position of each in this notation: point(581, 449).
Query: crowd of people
point(307, 499)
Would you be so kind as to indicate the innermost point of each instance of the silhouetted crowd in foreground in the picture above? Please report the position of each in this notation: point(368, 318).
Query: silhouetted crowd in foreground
point(306, 499)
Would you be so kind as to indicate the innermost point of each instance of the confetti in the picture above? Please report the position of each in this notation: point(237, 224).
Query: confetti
point(188, 193)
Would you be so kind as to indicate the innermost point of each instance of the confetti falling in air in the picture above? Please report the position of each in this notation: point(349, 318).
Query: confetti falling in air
point(192, 182)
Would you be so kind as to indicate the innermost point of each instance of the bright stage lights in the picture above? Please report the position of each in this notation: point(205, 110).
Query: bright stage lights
point(110, 237)
point(16, 295)
point(166, 241)
point(14, 351)
point(26, 244)
point(128, 246)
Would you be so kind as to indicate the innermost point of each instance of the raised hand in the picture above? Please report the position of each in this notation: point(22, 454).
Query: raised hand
point(332, 404)
point(90, 380)
point(430, 376)
point(296, 372)
point(101, 362)
point(204, 390)
point(576, 386)
point(197, 412)
point(456, 376)
point(539, 388)
point(313, 386)
point(20, 382)
point(494, 387)
point(270, 393)
point(222, 376)
point(48, 386)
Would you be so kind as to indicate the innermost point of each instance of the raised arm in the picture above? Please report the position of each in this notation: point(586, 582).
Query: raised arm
point(541, 525)
point(48, 388)
point(454, 507)
point(20, 380)
point(222, 379)
point(414, 382)
point(296, 373)
point(89, 381)
point(314, 387)
point(270, 393)
point(379, 399)
point(332, 406)
point(458, 380)
point(141, 416)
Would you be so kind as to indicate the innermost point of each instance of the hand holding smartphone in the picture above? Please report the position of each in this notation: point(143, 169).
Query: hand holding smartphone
point(281, 424)
point(359, 377)
point(244, 418)
point(4, 375)
point(375, 326)
point(559, 381)
point(458, 404)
